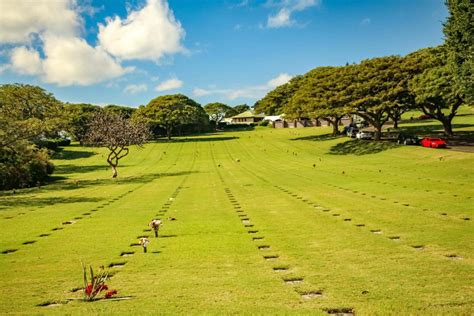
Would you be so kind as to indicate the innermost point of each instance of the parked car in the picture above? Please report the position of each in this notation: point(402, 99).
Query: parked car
point(407, 139)
point(351, 131)
point(433, 142)
point(364, 135)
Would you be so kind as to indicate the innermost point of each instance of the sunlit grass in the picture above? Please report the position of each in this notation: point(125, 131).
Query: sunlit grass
point(266, 222)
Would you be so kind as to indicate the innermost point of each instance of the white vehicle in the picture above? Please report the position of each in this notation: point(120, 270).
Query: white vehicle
point(364, 135)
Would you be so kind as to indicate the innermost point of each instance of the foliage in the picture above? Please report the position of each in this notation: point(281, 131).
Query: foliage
point(435, 93)
point(27, 112)
point(376, 85)
point(117, 134)
point(241, 108)
point(124, 111)
point(23, 166)
point(52, 143)
point(172, 112)
point(275, 101)
point(78, 119)
point(321, 95)
point(217, 111)
point(459, 32)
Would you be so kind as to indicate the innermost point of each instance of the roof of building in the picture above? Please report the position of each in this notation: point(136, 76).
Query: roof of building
point(248, 114)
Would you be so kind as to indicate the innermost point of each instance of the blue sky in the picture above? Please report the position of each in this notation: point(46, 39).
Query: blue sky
point(128, 52)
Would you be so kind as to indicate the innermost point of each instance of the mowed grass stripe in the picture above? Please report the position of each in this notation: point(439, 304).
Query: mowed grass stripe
point(102, 238)
point(407, 221)
point(210, 264)
point(367, 259)
point(47, 216)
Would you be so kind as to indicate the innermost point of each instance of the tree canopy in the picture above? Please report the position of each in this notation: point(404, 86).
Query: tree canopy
point(79, 117)
point(172, 111)
point(27, 112)
point(117, 134)
point(275, 101)
point(459, 33)
point(321, 95)
point(435, 92)
point(217, 111)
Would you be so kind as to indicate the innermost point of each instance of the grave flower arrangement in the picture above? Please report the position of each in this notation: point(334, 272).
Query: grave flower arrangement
point(94, 285)
point(144, 242)
point(155, 225)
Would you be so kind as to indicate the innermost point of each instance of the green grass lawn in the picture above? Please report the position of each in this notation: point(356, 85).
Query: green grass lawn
point(270, 221)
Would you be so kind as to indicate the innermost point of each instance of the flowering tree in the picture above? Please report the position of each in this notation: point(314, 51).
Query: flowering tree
point(117, 134)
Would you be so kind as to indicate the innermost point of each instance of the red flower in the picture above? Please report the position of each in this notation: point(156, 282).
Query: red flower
point(89, 289)
point(110, 293)
point(97, 290)
point(102, 288)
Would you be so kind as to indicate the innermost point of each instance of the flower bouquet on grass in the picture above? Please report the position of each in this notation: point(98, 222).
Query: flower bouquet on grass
point(95, 284)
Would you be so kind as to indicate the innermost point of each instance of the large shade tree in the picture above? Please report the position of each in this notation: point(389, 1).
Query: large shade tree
point(117, 134)
point(79, 117)
point(459, 32)
point(26, 113)
point(376, 85)
point(171, 112)
point(435, 90)
point(217, 111)
point(322, 95)
point(275, 101)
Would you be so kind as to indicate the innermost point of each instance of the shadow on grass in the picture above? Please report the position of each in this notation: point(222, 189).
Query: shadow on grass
point(436, 130)
point(196, 139)
point(361, 147)
point(317, 138)
point(69, 168)
point(67, 153)
point(61, 183)
point(9, 201)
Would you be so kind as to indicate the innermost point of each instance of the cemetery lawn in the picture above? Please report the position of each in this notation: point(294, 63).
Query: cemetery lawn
point(355, 226)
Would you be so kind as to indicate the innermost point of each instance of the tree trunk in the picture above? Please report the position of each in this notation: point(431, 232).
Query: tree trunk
point(168, 133)
point(378, 132)
point(114, 171)
point(448, 128)
point(395, 123)
point(335, 128)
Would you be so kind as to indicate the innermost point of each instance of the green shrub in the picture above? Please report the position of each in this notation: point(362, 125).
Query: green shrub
point(24, 167)
point(52, 143)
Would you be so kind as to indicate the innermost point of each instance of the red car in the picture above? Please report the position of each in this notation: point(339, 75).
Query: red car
point(433, 142)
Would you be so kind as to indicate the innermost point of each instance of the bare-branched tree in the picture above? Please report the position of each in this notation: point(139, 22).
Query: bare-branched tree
point(113, 131)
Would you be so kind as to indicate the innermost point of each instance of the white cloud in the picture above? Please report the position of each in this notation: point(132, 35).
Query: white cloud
point(251, 92)
point(365, 21)
point(279, 80)
point(26, 61)
point(169, 84)
point(68, 61)
point(135, 88)
point(283, 18)
point(149, 33)
point(20, 19)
